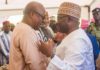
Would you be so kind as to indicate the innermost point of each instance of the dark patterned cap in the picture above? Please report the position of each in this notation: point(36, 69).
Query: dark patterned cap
point(96, 10)
point(70, 9)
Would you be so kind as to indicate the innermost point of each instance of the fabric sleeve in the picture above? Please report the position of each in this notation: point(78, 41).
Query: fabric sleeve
point(31, 54)
point(75, 57)
point(3, 49)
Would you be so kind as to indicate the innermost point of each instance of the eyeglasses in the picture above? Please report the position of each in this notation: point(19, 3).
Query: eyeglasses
point(42, 16)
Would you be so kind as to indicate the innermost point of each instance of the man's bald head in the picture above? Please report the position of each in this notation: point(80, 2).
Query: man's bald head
point(34, 14)
point(34, 7)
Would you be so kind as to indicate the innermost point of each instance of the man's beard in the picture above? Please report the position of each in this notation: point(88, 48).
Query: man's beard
point(62, 27)
point(97, 23)
point(6, 32)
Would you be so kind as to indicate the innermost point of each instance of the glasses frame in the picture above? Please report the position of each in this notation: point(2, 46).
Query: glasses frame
point(43, 17)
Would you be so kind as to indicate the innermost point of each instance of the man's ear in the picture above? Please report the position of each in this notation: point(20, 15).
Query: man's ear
point(31, 14)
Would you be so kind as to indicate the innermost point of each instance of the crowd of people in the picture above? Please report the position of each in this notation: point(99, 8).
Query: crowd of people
point(38, 43)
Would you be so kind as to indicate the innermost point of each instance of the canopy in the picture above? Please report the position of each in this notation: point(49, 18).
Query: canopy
point(16, 4)
point(15, 7)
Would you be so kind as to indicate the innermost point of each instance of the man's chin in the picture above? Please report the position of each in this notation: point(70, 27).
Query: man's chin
point(36, 28)
point(6, 32)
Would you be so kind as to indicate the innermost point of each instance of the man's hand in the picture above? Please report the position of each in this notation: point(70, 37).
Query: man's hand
point(59, 36)
point(47, 47)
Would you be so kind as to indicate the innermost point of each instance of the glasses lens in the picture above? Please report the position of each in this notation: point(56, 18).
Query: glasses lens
point(39, 14)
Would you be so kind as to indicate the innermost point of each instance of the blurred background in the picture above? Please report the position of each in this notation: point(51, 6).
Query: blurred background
point(11, 10)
